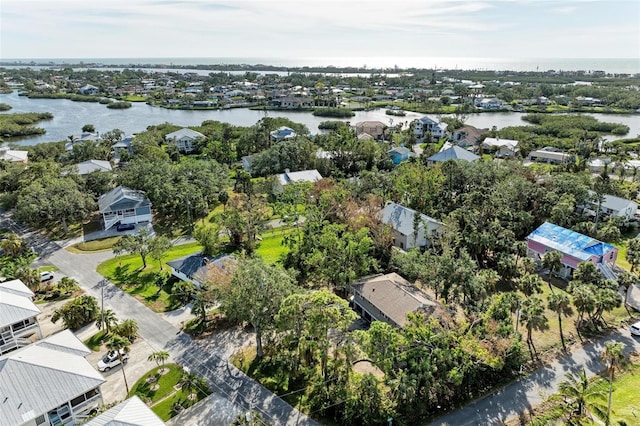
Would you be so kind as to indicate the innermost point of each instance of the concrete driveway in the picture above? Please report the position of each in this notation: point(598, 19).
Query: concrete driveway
point(113, 389)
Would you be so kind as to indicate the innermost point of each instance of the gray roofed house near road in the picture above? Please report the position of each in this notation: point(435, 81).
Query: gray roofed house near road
point(124, 205)
point(403, 221)
point(90, 166)
point(194, 267)
point(130, 412)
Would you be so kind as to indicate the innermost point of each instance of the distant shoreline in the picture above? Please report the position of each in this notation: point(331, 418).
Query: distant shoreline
point(345, 65)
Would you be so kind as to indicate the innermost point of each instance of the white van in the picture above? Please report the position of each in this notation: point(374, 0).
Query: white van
point(635, 329)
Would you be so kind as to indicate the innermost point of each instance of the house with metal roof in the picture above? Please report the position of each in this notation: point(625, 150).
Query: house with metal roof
point(390, 298)
point(124, 205)
point(410, 228)
point(399, 154)
point(612, 206)
point(49, 383)
point(130, 412)
point(375, 129)
point(13, 155)
point(288, 177)
point(574, 247)
point(501, 147)
point(193, 268)
point(91, 166)
point(18, 316)
point(453, 153)
point(547, 156)
point(184, 139)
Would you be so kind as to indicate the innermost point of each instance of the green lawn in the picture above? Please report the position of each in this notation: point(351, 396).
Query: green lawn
point(163, 397)
point(621, 261)
point(94, 246)
point(271, 249)
point(126, 271)
point(134, 98)
point(94, 342)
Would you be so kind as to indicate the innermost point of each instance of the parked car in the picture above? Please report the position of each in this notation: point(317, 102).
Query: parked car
point(125, 227)
point(635, 329)
point(46, 276)
point(111, 360)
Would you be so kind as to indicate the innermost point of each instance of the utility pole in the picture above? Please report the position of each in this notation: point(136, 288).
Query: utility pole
point(103, 284)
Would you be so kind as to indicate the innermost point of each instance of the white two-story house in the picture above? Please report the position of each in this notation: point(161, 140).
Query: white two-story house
point(427, 126)
point(185, 139)
point(18, 316)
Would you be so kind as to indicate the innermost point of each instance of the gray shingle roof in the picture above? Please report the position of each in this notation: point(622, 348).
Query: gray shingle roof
point(89, 166)
point(196, 264)
point(402, 218)
point(37, 379)
point(454, 153)
point(131, 412)
point(121, 198)
point(395, 297)
point(612, 202)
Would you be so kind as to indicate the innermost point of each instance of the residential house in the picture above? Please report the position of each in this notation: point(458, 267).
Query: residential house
point(185, 139)
point(49, 383)
point(291, 102)
point(91, 166)
point(548, 156)
point(125, 146)
point(488, 103)
point(408, 234)
point(302, 176)
point(83, 137)
point(282, 133)
point(247, 160)
point(427, 127)
point(124, 205)
point(453, 153)
point(390, 298)
point(597, 165)
point(574, 247)
point(612, 206)
point(130, 412)
point(375, 129)
point(13, 156)
point(399, 154)
point(193, 268)
point(467, 136)
point(18, 316)
point(501, 147)
point(88, 89)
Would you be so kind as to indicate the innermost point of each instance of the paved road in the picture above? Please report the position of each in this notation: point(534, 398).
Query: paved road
point(523, 395)
point(234, 392)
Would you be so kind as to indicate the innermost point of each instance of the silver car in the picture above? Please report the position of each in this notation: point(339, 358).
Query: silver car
point(111, 360)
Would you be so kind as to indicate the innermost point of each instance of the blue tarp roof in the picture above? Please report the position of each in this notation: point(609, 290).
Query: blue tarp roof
point(569, 242)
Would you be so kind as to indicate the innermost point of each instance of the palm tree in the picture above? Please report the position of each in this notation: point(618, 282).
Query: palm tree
point(561, 305)
point(12, 245)
point(191, 382)
point(581, 398)
point(613, 357)
point(30, 277)
point(534, 319)
point(199, 308)
point(529, 284)
point(127, 329)
point(117, 344)
point(159, 357)
point(553, 262)
point(108, 319)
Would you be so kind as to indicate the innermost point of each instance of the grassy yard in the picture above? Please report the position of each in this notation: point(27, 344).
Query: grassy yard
point(94, 342)
point(126, 271)
point(165, 395)
point(271, 249)
point(94, 246)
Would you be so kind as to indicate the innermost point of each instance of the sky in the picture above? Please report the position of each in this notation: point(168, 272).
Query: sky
point(319, 29)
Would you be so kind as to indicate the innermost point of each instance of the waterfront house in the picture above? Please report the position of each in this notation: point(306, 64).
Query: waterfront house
point(49, 383)
point(91, 166)
point(185, 139)
point(13, 155)
point(390, 298)
point(408, 234)
point(88, 89)
point(18, 316)
point(467, 136)
point(124, 205)
point(124, 146)
point(375, 129)
point(574, 247)
point(282, 133)
point(427, 129)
